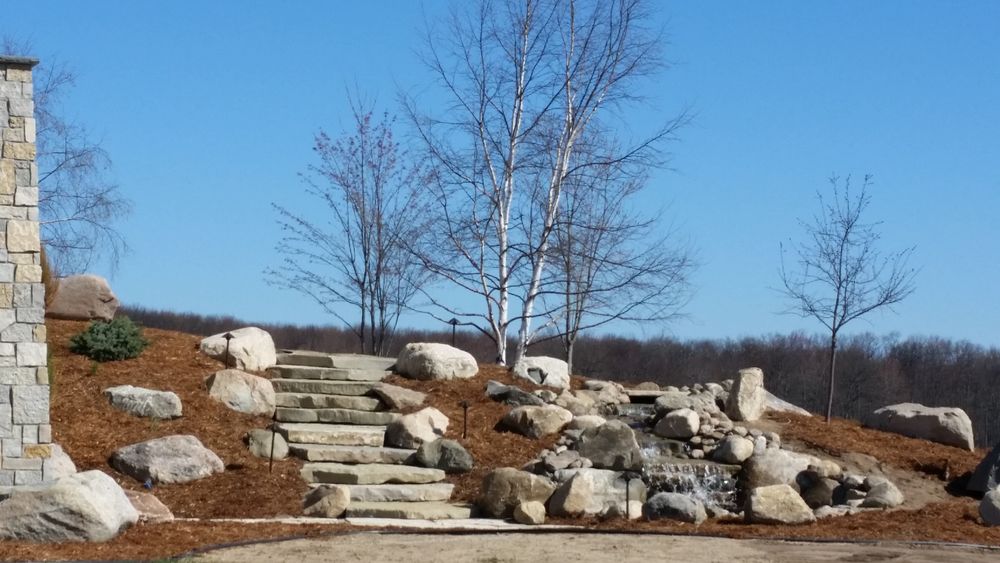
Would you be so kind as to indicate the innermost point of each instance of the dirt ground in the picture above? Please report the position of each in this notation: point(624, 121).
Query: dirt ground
point(582, 548)
point(90, 431)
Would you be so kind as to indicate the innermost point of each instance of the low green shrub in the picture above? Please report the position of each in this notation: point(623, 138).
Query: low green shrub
point(106, 341)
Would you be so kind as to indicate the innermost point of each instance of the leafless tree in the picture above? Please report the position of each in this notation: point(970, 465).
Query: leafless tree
point(841, 275)
point(610, 262)
point(78, 203)
point(525, 80)
point(352, 250)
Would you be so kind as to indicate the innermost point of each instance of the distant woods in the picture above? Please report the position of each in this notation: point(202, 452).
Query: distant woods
point(872, 371)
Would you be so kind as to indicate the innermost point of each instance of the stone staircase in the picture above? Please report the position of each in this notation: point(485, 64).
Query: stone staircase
point(331, 418)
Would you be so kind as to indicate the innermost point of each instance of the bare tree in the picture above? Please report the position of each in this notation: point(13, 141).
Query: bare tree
point(78, 203)
point(525, 80)
point(841, 275)
point(610, 262)
point(355, 251)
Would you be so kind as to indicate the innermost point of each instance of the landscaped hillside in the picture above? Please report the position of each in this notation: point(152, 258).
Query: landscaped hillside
point(90, 430)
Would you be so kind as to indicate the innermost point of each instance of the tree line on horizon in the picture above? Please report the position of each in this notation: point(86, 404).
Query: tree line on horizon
point(873, 371)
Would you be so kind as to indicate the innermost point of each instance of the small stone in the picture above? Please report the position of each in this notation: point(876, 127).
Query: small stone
point(259, 443)
point(326, 501)
point(530, 513)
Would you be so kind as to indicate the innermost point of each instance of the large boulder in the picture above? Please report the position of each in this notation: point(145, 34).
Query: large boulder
point(703, 402)
point(505, 488)
point(782, 467)
point(57, 465)
point(433, 361)
point(681, 423)
point(777, 504)
point(146, 403)
point(579, 403)
point(543, 370)
point(747, 398)
point(882, 493)
point(945, 425)
point(250, 349)
point(447, 455)
point(242, 392)
point(398, 398)
point(84, 297)
point(411, 430)
point(171, 459)
point(535, 422)
point(986, 477)
point(674, 506)
point(326, 501)
point(511, 395)
point(773, 403)
point(87, 506)
point(733, 449)
point(989, 508)
point(611, 446)
point(593, 492)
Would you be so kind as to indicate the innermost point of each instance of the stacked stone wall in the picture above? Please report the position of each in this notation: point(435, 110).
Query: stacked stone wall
point(25, 433)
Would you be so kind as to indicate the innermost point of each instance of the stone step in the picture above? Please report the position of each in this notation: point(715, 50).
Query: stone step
point(401, 493)
point(320, 401)
point(345, 361)
point(326, 374)
point(350, 454)
point(408, 510)
point(319, 386)
point(369, 474)
point(335, 416)
point(332, 434)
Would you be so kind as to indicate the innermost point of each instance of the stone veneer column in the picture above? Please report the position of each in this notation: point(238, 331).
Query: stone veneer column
point(25, 433)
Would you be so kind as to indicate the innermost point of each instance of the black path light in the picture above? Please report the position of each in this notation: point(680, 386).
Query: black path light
point(274, 430)
point(453, 322)
point(228, 336)
point(465, 418)
point(629, 476)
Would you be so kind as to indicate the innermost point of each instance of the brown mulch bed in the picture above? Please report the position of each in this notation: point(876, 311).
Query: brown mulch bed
point(490, 446)
point(90, 430)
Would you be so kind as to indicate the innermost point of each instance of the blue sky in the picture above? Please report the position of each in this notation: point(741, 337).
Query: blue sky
point(208, 111)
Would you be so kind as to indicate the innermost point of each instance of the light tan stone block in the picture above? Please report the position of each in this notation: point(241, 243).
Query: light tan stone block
point(19, 74)
point(40, 335)
point(42, 376)
point(13, 134)
point(30, 130)
point(28, 273)
point(19, 151)
point(22, 236)
point(8, 175)
point(37, 451)
point(6, 295)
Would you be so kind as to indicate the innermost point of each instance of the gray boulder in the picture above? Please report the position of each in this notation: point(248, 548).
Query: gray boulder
point(543, 370)
point(326, 501)
point(531, 512)
point(250, 349)
point(84, 297)
point(146, 403)
point(670, 401)
point(242, 392)
point(674, 506)
point(945, 425)
point(259, 443)
point(87, 506)
point(777, 504)
point(747, 397)
point(57, 465)
point(681, 423)
point(433, 361)
point(986, 477)
point(510, 395)
point(772, 403)
point(172, 459)
point(446, 455)
point(411, 430)
point(505, 488)
point(989, 508)
point(882, 493)
point(733, 449)
point(398, 398)
point(593, 492)
point(782, 467)
point(611, 446)
point(824, 492)
point(586, 422)
point(578, 403)
point(535, 422)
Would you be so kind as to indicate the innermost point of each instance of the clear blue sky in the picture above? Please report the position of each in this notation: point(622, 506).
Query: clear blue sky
point(208, 110)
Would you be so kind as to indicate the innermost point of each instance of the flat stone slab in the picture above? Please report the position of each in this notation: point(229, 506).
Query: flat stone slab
point(320, 401)
point(345, 361)
point(332, 434)
point(401, 493)
point(408, 510)
point(326, 374)
point(370, 474)
point(322, 387)
point(350, 454)
point(335, 416)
